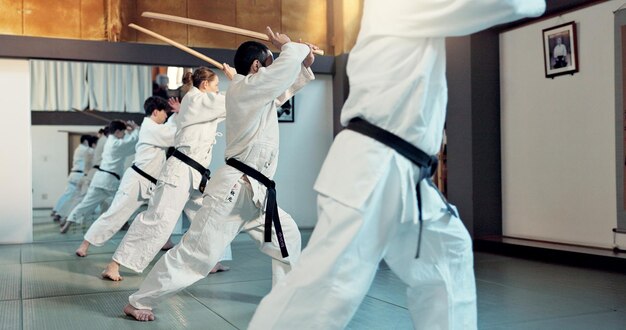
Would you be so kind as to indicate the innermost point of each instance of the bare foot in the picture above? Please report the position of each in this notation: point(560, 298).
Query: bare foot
point(82, 249)
point(112, 272)
point(219, 268)
point(168, 245)
point(66, 227)
point(139, 314)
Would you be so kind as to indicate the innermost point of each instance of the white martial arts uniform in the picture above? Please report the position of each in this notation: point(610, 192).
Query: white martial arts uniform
point(73, 179)
point(80, 187)
point(367, 204)
point(104, 185)
point(235, 202)
point(135, 190)
point(177, 186)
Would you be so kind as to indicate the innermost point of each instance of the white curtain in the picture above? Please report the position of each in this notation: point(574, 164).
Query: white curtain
point(61, 86)
point(57, 85)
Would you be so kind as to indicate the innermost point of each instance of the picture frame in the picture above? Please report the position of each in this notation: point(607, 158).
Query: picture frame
point(560, 50)
point(286, 112)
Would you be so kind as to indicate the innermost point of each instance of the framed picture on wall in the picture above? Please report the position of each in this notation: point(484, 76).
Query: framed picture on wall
point(560, 50)
point(286, 111)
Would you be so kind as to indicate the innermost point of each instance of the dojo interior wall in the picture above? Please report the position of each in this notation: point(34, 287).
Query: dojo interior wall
point(303, 147)
point(15, 178)
point(558, 135)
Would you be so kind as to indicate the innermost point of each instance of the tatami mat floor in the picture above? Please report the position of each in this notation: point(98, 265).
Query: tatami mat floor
point(44, 286)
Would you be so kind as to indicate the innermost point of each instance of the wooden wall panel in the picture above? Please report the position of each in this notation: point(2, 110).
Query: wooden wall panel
point(92, 19)
point(352, 12)
point(255, 15)
point(128, 14)
point(306, 20)
point(222, 12)
point(11, 17)
point(59, 19)
point(174, 31)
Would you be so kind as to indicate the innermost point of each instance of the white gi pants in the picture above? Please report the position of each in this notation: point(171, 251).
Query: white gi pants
point(95, 196)
point(215, 226)
point(70, 191)
point(338, 265)
point(127, 200)
point(81, 190)
point(151, 228)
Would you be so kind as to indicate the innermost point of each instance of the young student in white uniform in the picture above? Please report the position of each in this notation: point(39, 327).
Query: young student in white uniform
point(371, 194)
point(76, 173)
point(240, 192)
point(181, 182)
point(105, 182)
point(155, 136)
point(81, 190)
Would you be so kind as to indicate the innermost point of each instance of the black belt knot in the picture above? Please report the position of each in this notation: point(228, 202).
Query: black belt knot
point(271, 208)
point(426, 163)
point(204, 172)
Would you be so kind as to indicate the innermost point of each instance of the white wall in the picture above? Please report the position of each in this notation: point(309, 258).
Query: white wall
point(304, 145)
point(50, 167)
point(15, 175)
point(558, 135)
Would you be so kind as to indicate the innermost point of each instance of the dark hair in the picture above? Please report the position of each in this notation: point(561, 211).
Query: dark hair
point(105, 130)
point(155, 103)
point(116, 125)
point(93, 140)
point(201, 74)
point(247, 53)
point(187, 77)
point(84, 138)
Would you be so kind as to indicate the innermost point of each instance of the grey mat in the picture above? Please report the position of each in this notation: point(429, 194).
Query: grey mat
point(10, 278)
point(11, 315)
point(104, 311)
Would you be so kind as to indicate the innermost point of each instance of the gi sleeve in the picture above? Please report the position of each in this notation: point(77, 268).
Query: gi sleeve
point(442, 18)
point(271, 82)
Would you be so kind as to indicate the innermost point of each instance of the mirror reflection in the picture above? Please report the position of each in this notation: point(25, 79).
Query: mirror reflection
point(66, 157)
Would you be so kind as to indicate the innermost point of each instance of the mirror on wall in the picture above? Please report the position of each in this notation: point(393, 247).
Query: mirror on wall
point(82, 89)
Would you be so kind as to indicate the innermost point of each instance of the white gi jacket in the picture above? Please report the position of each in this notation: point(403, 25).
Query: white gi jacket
point(78, 163)
point(252, 122)
point(408, 38)
point(97, 158)
point(113, 158)
point(150, 152)
point(196, 127)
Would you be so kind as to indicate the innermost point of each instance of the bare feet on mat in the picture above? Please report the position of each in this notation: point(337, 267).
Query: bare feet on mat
point(168, 245)
point(82, 249)
point(62, 222)
point(66, 227)
point(139, 314)
point(219, 268)
point(56, 218)
point(112, 272)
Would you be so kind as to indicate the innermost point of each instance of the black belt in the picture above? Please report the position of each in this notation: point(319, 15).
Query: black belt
point(112, 173)
point(205, 172)
point(144, 174)
point(271, 208)
point(426, 163)
point(97, 167)
point(77, 171)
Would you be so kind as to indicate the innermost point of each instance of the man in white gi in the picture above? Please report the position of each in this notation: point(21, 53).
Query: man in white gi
point(182, 181)
point(139, 180)
point(76, 173)
point(235, 199)
point(370, 194)
point(105, 182)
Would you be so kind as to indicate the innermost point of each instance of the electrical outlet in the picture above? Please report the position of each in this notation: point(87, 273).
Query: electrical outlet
point(44, 196)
